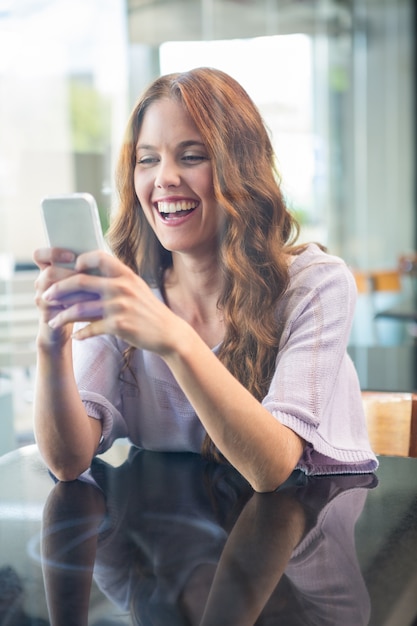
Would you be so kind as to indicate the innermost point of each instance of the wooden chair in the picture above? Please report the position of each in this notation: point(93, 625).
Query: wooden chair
point(362, 281)
point(392, 422)
point(377, 289)
point(373, 281)
point(385, 280)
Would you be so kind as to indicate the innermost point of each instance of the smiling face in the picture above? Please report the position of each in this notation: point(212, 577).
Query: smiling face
point(174, 181)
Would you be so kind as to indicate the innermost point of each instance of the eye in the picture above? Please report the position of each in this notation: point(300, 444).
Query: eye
point(194, 158)
point(147, 160)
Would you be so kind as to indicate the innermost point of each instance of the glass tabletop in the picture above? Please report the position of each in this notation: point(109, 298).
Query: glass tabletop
point(166, 538)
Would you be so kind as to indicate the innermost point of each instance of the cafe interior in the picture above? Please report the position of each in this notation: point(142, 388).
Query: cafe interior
point(335, 82)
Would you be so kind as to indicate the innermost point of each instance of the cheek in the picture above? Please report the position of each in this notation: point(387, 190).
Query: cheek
point(137, 184)
point(148, 212)
point(205, 183)
point(143, 186)
point(143, 189)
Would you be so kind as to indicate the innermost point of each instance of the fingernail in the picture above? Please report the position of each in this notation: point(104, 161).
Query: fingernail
point(66, 256)
point(52, 323)
point(48, 295)
point(79, 335)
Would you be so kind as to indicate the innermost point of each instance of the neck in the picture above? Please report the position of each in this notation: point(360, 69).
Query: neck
point(192, 289)
point(197, 280)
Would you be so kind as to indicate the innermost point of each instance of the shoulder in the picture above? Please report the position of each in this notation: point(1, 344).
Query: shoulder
point(321, 286)
point(314, 267)
point(312, 257)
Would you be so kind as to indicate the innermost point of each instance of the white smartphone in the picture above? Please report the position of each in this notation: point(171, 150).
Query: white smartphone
point(72, 222)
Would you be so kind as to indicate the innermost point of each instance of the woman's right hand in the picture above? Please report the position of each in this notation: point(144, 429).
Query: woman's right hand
point(66, 437)
point(49, 261)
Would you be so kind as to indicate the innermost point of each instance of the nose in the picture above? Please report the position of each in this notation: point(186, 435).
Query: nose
point(167, 174)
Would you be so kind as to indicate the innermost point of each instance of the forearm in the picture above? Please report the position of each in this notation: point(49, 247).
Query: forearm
point(70, 528)
point(259, 446)
point(66, 436)
point(254, 559)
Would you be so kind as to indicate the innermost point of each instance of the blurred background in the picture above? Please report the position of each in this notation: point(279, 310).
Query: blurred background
point(334, 80)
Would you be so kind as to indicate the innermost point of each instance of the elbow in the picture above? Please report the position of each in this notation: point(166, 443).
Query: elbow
point(273, 472)
point(270, 481)
point(67, 474)
point(266, 486)
point(64, 465)
point(66, 471)
point(274, 465)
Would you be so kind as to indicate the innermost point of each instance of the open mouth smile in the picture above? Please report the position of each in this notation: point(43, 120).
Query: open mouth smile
point(174, 210)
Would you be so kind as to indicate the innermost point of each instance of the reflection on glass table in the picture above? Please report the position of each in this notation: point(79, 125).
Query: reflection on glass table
point(175, 540)
point(155, 538)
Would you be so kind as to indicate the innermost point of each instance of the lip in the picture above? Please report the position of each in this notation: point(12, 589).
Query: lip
point(174, 219)
point(168, 199)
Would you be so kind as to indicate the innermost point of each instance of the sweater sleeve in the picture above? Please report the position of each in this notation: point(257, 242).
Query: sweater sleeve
point(315, 389)
point(98, 363)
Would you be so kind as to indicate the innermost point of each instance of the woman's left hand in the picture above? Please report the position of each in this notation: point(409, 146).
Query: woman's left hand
point(114, 300)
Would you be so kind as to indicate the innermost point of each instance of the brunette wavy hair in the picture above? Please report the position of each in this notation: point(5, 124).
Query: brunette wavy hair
point(259, 231)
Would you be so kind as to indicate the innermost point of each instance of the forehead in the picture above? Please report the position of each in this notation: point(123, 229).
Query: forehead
point(167, 120)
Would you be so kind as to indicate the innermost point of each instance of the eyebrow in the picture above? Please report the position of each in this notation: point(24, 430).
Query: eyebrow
point(183, 144)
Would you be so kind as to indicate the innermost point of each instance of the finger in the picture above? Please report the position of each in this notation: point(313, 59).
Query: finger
point(75, 286)
point(48, 276)
point(92, 329)
point(48, 256)
point(67, 300)
point(102, 263)
point(80, 312)
point(42, 257)
point(47, 313)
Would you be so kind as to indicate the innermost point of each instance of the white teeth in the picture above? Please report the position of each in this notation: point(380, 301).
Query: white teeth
point(174, 207)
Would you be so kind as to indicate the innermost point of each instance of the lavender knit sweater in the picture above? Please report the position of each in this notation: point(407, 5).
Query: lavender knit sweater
point(314, 390)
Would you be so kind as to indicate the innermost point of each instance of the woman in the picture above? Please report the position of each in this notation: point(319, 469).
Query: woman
point(208, 328)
